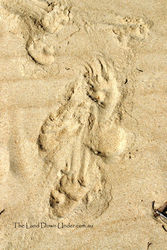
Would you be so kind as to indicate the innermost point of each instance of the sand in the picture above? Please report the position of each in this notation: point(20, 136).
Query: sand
point(82, 124)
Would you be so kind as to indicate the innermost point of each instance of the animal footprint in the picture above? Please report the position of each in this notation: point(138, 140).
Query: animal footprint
point(83, 130)
point(131, 29)
point(67, 196)
point(56, 19)
point(102, 86)
point(40, 52)
point(73, 185)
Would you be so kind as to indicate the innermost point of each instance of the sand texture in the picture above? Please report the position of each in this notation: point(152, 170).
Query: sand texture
point(83, 124)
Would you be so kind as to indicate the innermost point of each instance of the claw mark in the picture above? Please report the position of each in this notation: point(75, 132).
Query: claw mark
point(148, 245)
point(140, 70)
point(2, 211)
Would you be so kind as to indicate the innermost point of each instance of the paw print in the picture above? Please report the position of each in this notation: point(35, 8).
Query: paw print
point(56, 19)
point(40, 52)
point(67, 196)
point(74, 188)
